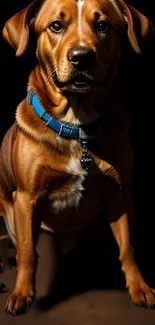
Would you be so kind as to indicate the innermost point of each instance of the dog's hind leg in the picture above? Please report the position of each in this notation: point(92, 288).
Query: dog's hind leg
point(3, 251)
point(4, 241)
point(9, 230)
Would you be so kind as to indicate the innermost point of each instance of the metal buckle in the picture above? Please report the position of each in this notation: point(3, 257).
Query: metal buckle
point(62, 132)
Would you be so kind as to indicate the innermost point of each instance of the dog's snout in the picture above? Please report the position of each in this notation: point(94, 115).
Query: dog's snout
point(81, 57)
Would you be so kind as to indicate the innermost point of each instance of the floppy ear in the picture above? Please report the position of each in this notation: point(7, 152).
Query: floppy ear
point(139, 28)
point(16, 29)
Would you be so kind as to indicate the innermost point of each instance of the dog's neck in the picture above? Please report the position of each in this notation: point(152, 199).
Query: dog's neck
point(72, 108)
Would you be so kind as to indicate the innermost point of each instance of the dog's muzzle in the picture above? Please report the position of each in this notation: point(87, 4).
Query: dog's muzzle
point(82, 60)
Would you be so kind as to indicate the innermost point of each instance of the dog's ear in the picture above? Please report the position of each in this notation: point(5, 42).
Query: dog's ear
point(16, 29)
point(139, 28)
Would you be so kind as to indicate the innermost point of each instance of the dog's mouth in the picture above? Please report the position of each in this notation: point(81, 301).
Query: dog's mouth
point(82, 81)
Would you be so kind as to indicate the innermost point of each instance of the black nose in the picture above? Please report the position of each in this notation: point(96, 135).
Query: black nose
point(81, 57)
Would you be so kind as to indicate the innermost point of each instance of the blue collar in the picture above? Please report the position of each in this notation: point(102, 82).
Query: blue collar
point(84, 132)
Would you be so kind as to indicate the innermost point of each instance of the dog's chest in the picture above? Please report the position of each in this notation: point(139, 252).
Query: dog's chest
point(70, 192)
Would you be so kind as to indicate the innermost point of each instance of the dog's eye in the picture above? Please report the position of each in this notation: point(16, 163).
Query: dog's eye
point(102, 26)
point(56, 26)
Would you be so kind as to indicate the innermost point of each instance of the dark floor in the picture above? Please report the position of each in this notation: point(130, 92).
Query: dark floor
point(90, 289)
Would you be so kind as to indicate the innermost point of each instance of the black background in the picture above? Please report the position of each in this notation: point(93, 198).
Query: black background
point(138, 95)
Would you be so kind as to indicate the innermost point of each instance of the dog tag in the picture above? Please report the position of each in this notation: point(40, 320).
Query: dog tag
point(86, 159)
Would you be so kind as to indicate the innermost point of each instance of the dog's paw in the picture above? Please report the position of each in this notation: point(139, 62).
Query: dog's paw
point(17, 304)
point(142, 296)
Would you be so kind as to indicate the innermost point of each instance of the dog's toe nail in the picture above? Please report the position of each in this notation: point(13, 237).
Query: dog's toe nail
point(6, 308)
point(151, 306)
point(142, 304)
point(8, 311)
point(14, 312)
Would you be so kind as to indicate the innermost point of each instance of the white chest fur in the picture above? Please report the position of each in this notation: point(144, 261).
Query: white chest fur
point(71, 193)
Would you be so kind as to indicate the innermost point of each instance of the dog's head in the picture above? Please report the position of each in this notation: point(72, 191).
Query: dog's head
point(78, 41)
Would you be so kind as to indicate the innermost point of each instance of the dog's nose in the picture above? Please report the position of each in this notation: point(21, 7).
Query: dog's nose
point(81, 57)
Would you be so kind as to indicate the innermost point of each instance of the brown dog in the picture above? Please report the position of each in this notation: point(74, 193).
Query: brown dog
point(68, 150)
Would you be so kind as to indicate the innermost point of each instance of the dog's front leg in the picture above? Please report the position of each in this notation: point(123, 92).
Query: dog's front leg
point(26, 224)
point(119, 216)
